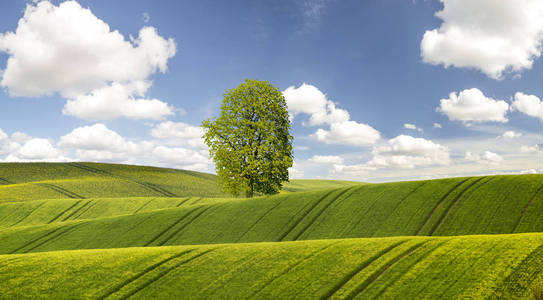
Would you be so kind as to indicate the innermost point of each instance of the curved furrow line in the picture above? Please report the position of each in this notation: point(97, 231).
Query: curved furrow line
point(312, 221)
point(124, 283)
point(184, 226)
point(37, 239)
point(304, 215)
point(86, 209)
point(183, 202)
point(164, 273)
point(360, 268)
point(411, 266)
point(289, 268)
point(526, 208)
point(373, 277)
point(5, 181)
point(64, 211)
point(453, 202)
point(61, 190)
point(439, 203)
point(27, 215)
point(52, 238)
point(257, 221)
point(142, 207)
point(76, 211)
point(171, 226)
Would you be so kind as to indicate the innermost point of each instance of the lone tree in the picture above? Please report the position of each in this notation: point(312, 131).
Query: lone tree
point(250, 141)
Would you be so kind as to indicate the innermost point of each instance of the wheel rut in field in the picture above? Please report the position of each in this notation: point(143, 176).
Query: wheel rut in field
point(453, 202)
point(147, 185)
point(65, 211)
point(360, 268)
point(439, 203)
point(375, 276)
point(526, 208)
point(28, 214)
point(282, 237)
point(61, 190)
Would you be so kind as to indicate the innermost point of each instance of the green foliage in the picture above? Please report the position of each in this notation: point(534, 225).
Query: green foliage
point(537, 291)
point(465, 267)
point(250, 141)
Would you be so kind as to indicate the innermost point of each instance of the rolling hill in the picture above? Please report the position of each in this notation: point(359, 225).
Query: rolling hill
point(85, 230)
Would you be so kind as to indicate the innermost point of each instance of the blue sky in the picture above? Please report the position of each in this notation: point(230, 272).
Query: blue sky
point(368, 83)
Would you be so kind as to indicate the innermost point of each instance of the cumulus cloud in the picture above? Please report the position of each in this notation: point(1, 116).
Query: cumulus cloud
point(437, 125)
point(412, 127)
point(509, 134)
point(356, 170)
point(528, 104)
point(66, 49)
point(115, 101)
point(472, 105)
point(308, 99)
point(36, 150)
point(486, 157)
point(531, 149)
point(348, 133)
point(101, 144)
point(295, 172)
point(7, 145)
point(406, 151)
point(326, 159)
point(178, 133)
point(492, 36)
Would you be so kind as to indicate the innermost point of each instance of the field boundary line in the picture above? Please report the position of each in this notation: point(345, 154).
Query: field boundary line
point(27, 215)
point(76, 211)
point(453, 202)
point(375, 276)
point(65, 211)
point(184, 226)
point(439, 204)
point(349, 276)
point(312, 221)
point(141, 207)
point(304, 214)
point(119, 286)
point(258, 220)
point(290, 268)
point(164, 273)
point(172, 225)
point(526, 207)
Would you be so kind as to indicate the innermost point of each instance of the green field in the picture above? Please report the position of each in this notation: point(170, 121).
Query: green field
point(85, 230)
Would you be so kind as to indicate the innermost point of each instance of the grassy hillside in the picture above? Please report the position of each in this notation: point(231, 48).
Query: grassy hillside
point(459, 206)
point(502, 266)
point(152, 232)
point(31, 181)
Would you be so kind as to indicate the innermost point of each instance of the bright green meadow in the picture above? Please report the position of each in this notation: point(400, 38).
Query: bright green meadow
point(97, 231)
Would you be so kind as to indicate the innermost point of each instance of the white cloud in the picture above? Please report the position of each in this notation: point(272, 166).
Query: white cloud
point(509, 134)
point(348, 133)
point(412, 127)
point(352, 171)
point(528, 104)
point(7, 145)
point(145, 17)
point(531, 149)
point(295, 172)
point(67, 49)
point(326, 159)
point(36, 150)
point(492, 36)
point(407, 152)
point(486, 157)
point(101, 144)
point(115, 101)
point(308, 99)
point(437, 125)
point(20, 137)
point(472, 105)
point(179, 134)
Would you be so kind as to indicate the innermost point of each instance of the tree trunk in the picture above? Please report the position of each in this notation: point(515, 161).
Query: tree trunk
point(250, 191)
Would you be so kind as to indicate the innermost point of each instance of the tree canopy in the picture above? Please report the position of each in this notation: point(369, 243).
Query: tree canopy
point(250, 141)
